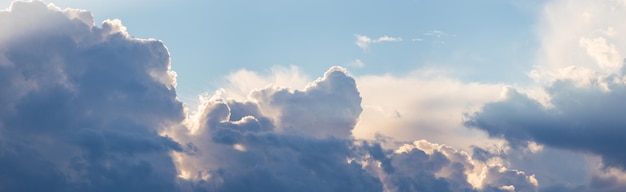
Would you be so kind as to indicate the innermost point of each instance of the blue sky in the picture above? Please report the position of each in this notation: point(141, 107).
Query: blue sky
point(390, 96)
point(484, 40)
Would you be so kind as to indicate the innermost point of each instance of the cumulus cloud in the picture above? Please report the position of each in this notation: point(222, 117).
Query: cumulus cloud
point(582, 112)
point(426, 166)
point(578, 117)
point(581, 70)
point(283, 140)
point(82, 105)
point(234, 153)
point(364, 41)
point(238, 152)
point(90, 108)
point(243, 145)
point(240, 83)
point(330, 106)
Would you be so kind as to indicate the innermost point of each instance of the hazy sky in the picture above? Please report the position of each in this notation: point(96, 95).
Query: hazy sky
point(485, 95)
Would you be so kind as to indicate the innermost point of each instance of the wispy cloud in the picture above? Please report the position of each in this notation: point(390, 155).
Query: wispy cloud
point(356, 63)
point(436, 33)
point(364, 41)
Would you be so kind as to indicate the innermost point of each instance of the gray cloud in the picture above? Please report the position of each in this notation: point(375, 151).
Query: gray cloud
point(330, 106)
point(236, 147)
point(87, 108)
point(240, 149)
point(425, 166)
point(82, 106)
point(583, 118)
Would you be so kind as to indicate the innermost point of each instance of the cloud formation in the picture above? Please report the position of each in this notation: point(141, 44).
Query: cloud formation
point(90, 108)
point(577, 117)
point(357, 63)
point(584, 90)
point(364, 41)
point(580, 68)
point(81, 105)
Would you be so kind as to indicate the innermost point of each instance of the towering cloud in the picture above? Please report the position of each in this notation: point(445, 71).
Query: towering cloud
point(285, 140)
point(330, 106)
point(81, 105)
point(302, 145)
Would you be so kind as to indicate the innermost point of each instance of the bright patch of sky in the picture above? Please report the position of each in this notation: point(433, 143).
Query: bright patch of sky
point(484, 40)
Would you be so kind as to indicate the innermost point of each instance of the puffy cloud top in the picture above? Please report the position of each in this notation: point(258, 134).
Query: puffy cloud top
point(330, 106)
point(82, 105)
point(90, 108)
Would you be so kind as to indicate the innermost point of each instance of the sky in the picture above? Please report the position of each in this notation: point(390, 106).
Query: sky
point(312, 96)
point(209, 38)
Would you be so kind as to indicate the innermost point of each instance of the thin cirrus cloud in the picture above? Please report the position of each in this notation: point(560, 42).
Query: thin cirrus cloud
point(91, 108)
point(364, 42)
point(357, 63)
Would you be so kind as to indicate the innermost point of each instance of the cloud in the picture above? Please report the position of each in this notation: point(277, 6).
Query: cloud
point(588, 39)
point(330, 106)
point(426, 104)
point(357, 63)
point(90, 108)
point(250, 145)
point(82, 105)
point(426, 166)
point(436, 33)
point(229, 153)
point(239, 84)
point(364, 41)
point(582, 69)
point(283, 140)
point(577, 118)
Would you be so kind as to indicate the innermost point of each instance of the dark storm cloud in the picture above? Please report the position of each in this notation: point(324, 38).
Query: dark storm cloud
point(82, 106)
point(585, 118)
